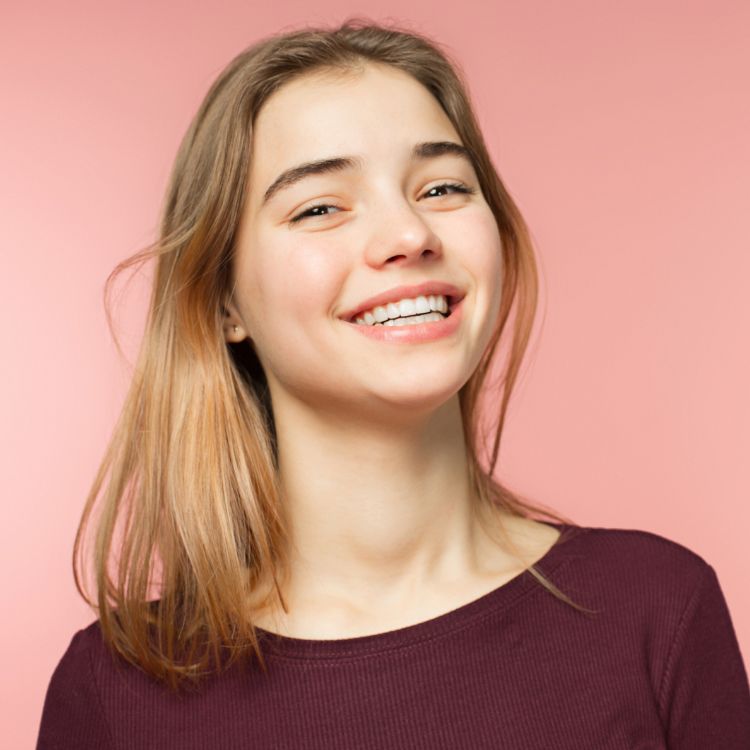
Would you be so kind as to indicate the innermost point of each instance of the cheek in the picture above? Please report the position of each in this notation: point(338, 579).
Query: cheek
point(316, 276)
point(481, 245)
point(296, 278)
point(482, 257)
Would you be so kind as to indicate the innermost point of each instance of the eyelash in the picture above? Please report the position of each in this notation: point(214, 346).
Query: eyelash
point(458, 186)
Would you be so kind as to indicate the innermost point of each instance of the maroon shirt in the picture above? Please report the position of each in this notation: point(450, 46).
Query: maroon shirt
point(659, 666)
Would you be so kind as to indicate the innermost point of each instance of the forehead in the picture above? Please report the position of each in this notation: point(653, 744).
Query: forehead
point(378, 112)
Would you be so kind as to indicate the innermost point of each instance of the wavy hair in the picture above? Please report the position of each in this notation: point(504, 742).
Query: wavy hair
point(187, 493)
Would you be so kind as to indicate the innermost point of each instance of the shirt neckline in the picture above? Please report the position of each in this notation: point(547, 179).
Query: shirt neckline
point(366, 645)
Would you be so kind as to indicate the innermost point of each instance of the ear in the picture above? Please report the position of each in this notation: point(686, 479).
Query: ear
point(234, 328)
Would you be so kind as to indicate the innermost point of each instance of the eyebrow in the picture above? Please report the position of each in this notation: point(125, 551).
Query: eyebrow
point(421, 151)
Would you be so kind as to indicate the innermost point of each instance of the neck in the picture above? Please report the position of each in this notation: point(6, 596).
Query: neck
point(375, 515)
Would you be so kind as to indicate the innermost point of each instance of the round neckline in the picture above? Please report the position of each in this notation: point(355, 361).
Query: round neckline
point(462, 616)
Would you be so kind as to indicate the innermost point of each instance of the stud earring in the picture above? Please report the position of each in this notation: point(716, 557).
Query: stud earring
point(235, 328)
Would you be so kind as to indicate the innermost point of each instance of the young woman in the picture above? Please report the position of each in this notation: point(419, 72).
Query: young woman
point(300, 542)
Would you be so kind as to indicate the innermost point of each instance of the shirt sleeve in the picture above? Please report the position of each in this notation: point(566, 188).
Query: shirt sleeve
point(705, 695)
point(72, 716)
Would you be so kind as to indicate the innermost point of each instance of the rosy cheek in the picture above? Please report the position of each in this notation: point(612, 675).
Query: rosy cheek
point(308, 276)
point(479, 240)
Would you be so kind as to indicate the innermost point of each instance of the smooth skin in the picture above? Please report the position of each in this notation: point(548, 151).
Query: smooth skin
point(371, 451)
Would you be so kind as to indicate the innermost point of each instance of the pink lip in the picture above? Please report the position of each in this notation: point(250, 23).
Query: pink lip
point(413, 334)
point(400, 292)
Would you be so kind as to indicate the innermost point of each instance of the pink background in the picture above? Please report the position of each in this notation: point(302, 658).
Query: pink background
point(620, 128)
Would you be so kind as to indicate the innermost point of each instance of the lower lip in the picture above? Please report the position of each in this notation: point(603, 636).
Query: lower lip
point(415, 333)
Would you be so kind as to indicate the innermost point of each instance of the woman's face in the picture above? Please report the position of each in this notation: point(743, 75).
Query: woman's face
point(324, 241)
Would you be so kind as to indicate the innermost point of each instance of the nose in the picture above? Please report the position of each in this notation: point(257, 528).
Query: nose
point(399, 234)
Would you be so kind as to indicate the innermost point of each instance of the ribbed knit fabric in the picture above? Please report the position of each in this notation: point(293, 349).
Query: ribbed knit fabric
point(658, 666)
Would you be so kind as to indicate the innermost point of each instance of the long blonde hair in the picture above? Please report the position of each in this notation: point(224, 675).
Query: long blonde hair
point(189, 497)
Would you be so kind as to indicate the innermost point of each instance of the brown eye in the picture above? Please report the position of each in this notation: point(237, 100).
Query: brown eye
point(457, 186)
point(308, 212)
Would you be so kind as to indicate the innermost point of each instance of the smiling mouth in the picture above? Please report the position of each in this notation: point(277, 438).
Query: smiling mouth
point(434, 316)
point(451, 300)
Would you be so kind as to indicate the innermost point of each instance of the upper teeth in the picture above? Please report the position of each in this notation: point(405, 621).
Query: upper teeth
point(404, 307)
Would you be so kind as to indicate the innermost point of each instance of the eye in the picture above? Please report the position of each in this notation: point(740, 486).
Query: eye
point(459, 187)
point(312, 211)
point(308, 212)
